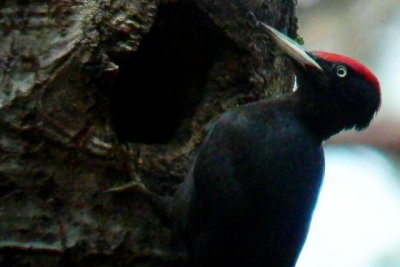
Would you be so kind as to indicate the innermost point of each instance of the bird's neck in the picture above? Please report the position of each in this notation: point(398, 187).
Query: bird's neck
point(321, 118)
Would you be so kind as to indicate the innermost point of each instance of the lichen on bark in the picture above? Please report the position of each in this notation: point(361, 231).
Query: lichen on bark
point(96, 94)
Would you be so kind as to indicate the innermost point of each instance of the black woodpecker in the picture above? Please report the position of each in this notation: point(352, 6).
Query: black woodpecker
point(249, 196)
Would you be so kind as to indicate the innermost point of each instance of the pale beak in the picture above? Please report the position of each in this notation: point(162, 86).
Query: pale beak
point(291, 48)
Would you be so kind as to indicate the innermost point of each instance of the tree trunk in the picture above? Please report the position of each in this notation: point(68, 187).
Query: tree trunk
point(97, 94)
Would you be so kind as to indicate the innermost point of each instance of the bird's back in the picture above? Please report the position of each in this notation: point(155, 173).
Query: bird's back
point(252, 189)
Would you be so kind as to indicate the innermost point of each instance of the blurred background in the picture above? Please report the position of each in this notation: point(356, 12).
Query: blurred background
point(357, 219)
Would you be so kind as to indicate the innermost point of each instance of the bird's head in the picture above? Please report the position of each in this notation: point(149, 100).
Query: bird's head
point(347, 88)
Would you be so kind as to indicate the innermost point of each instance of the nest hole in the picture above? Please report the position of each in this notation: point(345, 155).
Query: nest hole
point(160, 85)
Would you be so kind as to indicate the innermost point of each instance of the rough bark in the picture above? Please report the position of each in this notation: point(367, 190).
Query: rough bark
point(97, 94)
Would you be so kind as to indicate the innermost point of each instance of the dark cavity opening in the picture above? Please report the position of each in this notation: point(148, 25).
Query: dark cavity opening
point(160, 85)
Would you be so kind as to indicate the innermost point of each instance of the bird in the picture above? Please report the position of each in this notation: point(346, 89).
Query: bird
point(250, 193)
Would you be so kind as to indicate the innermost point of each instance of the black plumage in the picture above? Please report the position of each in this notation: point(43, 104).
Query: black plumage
point(249, 197)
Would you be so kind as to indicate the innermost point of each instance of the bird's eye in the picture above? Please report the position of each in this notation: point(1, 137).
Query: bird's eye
point(341, 71)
